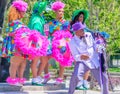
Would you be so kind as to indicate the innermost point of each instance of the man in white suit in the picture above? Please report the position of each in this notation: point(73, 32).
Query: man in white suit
point(86, 56)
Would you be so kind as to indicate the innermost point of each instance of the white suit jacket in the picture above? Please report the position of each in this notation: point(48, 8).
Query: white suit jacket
point(79, 47)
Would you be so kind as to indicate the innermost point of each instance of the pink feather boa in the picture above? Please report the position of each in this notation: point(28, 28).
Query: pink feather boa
point(61, 38)
point(30, 42)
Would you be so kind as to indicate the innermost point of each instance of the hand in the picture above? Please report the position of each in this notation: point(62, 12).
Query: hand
point(84, 57)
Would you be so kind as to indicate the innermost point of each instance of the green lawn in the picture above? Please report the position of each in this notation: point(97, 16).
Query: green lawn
point(114, 69)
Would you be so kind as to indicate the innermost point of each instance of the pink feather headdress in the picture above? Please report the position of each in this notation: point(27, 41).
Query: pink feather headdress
point(20, 5)
point(57, 5)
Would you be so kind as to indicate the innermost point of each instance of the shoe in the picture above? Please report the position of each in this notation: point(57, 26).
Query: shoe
point(85, 84)
point(80, 83)
point(58, 81)
point(13, 81)
point(37, 84)
point(39, 78)
point(37, 81)
point(80, 88)
point(21, 80)
point(46, 78)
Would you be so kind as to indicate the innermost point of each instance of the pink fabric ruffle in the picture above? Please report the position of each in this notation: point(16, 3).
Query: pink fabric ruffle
point(61, 38)
point(57, 5)
point(30, 42)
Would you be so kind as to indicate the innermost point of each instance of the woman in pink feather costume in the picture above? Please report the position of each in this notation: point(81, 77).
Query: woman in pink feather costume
point(58, 29)
point(17, 60)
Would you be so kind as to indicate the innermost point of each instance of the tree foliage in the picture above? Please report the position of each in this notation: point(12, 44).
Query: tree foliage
point(104, 16)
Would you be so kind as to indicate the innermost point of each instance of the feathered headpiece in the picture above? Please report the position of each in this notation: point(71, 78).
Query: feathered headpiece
point(57, 5)
point(20, 5)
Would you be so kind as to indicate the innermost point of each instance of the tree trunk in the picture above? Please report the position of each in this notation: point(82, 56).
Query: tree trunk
point(3, 4)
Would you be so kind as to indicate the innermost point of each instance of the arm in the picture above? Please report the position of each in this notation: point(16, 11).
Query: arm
point(74, 51)
point(76, 54)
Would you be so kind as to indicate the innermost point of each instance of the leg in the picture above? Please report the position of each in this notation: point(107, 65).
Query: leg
point(44, 61)
point(79, 70)
point(59, 80)
point(22, 68)
point(14, 65)
point(35, 79)
point(46, 71)
point(104, 84)
point(85, 82)
point(34, 67)
point(61, 71)
point(86, 75)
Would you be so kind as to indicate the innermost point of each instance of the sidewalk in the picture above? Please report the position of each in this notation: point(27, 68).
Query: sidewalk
point(57, 92)
point(47, 89)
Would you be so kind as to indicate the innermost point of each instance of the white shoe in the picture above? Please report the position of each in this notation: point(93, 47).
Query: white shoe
point(85, 84)
point(80, 83)
point(40, 79)
point(37, 81)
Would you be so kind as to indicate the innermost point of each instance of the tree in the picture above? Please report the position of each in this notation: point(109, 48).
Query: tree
point(104, 16)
